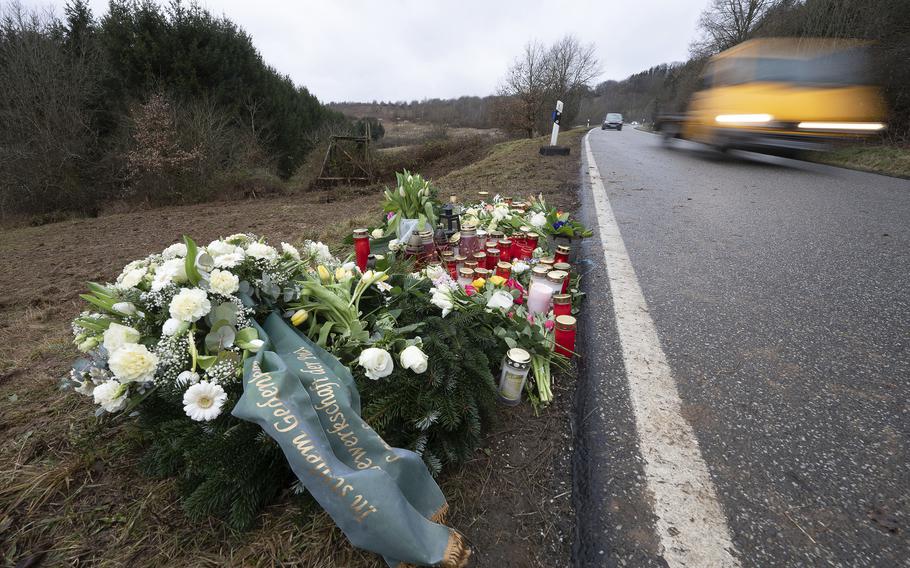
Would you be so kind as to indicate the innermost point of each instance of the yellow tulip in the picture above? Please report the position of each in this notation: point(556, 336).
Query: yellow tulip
point(478, 284)
point(497, 280)
point(324, 274)
point(299, 317)
point(341, 274)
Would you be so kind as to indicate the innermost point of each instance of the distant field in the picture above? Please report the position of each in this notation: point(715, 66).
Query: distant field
point(407, 133)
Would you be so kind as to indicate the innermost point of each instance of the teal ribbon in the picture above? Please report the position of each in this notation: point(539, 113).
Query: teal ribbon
point(383, 499)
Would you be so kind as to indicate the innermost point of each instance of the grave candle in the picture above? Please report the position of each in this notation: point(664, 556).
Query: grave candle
point(362, 248)
point(565, 335)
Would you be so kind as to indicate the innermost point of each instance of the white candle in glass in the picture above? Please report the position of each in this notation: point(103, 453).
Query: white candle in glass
point(539, 298)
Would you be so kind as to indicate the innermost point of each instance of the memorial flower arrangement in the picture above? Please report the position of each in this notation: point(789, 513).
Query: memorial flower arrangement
point(171, 341)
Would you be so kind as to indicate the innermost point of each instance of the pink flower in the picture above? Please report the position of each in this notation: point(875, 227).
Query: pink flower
point(511, 315)
point(549, 324)
point(489, 207)
point(530, 318)
point(389, 216)
point(470, 290)
point(519, 300)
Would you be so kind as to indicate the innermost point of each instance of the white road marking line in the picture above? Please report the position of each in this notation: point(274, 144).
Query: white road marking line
point(690, 520)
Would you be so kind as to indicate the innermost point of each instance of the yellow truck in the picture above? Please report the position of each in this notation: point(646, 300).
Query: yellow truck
point(781, 96)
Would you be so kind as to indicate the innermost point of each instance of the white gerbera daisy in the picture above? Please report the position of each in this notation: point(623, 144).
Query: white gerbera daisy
point(203, 401)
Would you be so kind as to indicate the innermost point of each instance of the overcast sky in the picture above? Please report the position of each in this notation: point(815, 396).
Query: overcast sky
point(359, 50)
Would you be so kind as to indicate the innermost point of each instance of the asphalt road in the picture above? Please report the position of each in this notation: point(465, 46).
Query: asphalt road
point(780, 292)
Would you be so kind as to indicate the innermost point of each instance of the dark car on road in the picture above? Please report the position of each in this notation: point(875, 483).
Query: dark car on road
point(613, 120)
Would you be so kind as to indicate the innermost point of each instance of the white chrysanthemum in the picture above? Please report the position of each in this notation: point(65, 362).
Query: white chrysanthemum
point(290, 250)
point(174, 251)
point(377, 233)
point(170, 271)
point(203, 401)
point(131, 278)
point(262, 250)
point(133, 363)
point(190, 304)
point(229, 260)
point(110, 395)
point(376, 363)
point(116, 336)
point(414, 359)
point(223, 282)
point(394, 245)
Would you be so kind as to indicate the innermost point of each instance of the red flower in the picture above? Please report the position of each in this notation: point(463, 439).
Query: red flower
point(470, 290)
point(549, 324)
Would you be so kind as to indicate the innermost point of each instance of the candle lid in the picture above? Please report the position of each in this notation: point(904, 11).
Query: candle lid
point(490, 244)
point(540, 270)
point(481, 272)
point(455, 238)
point(469, 230)
point(504, 265)
point(470, 263)
point(360, 234)
point(532, 235)
point(564, 249)
point(465, 272)
point(562, 299)
point(548, 261)
point(505, 242)
point(492, 252)
point(565, 266)
point(447, 253)
point(483, 193)
point(453, 199)
point(557, 275)
point(518, 357)
point(497, 234)
point(565, 322)
point(524, 229)
point(480, 255)
point(460, 258)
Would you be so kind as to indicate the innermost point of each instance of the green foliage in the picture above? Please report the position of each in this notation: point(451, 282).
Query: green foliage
point(377, 130)
point(227, 468)
point(441, 414)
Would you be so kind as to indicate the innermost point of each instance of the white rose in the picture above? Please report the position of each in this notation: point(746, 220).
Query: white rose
point(223, 282)
point(124, 308)
point(377, 363)
point(500, 299)
point(538, 220)
point(350, 266)
point(414, 359)
point(190, 304)
point(290, 250)
point(174, 251)
point(377, 233)
point(320, 251)
point(442, 299)
point(130, 278)
point(170, 271)
point(116, 336)
point(187, 378)
point(171, 326)
point(393, 244)
point(262, 250)
point(133, 363)
point(111, 395)
point(519, 267)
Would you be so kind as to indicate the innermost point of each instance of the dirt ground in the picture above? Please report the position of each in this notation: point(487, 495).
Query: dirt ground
point(70, 493)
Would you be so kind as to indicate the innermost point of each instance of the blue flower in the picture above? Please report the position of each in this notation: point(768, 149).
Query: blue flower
point(558, 224)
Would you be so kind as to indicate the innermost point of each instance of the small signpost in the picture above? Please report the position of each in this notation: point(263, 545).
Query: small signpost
point(553, 149)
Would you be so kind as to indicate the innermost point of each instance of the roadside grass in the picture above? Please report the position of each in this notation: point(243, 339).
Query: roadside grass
point(71, 492)
point(889, 160)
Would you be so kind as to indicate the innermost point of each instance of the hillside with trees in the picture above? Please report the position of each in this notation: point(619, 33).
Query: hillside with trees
point(163, 104)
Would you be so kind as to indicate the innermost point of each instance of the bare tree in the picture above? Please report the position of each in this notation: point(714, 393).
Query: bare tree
point(725, 23)
point(527, 84)
point(540, 76)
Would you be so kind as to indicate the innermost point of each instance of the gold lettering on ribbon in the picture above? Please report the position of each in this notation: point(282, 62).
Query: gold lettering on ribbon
point(303, 443)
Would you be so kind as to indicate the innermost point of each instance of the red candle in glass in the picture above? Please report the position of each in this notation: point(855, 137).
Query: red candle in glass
point(505, 250)
point(565, 335)
point(452, 266)
point(481, 259)
point(562, 253)
point(562, 305)
point(362, 248)
point(531, 243)
point(567, 268)
point(492, 258)
point(504, 270)
point(518, 240)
